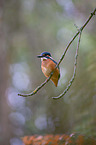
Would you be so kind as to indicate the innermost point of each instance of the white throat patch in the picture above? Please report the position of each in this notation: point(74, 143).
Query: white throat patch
point(44, 58)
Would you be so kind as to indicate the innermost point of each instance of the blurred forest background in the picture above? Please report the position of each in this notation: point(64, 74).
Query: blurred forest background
point(27, 28)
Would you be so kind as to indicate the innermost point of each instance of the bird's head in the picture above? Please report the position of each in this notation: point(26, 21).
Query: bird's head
point(44, 55)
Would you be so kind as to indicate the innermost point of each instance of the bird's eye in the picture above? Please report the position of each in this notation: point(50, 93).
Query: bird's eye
point(43, 54)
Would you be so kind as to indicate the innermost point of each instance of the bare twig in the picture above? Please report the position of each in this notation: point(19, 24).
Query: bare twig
point(62, 57)
point(37, 89)
point(74, 74)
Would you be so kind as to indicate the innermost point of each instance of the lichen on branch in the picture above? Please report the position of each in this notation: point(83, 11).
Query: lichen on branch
point(79, 31)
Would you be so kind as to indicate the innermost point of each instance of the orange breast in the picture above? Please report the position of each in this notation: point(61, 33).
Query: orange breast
point(47, 67)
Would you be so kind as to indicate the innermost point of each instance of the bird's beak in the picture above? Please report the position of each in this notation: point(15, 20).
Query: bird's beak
point(39, 56)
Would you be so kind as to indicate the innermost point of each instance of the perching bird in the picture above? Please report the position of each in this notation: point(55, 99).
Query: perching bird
point(48, 64)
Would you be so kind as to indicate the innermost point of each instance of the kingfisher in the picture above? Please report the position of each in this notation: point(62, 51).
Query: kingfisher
point(48, 65)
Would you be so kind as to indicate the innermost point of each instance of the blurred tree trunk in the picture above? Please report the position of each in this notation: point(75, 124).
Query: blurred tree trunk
point(4, 108)
point(7, 26)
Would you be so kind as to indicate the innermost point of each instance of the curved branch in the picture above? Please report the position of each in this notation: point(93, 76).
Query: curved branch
point(62, 57)
point(74, 74)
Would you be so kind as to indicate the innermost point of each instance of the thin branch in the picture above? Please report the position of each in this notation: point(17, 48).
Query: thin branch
point(37, 89)
point(62, 57)
point(81, 29)
point(74, 73)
